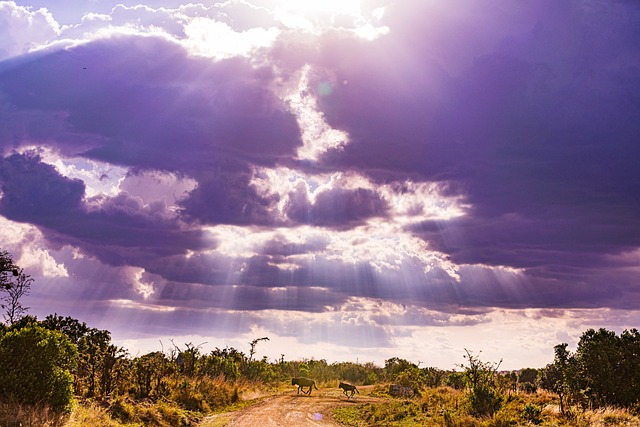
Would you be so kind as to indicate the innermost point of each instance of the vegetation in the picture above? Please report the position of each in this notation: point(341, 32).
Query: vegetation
point(60, 371)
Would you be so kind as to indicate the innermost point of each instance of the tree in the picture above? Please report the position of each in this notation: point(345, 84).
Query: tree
point(35, 364)
point(7, 268)
point(608, 366)
point(527, 380)
point(149, 371)
point(480, 379)
point(395, 366)
point(98, 359)
point(15, 284)
point(557, 376)
point(253, 344)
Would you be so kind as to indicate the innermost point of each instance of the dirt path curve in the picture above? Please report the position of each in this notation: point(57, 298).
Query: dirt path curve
point(289, 409)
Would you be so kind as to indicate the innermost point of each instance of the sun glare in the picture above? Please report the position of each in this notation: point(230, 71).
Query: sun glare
point(312, 9)
point(316, 17)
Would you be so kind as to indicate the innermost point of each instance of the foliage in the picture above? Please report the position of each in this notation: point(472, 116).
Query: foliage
point(36, 365)
point(480, 378)
point(225, 363)
point(609, 367)
point(442, 406)
point(604, 371)
point(203, 394)
point(532, 413)
point(101, 365)
point(527, 380)
point(149, 373)
point(454, 380)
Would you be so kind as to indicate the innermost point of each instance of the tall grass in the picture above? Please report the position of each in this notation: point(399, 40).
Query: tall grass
point(448, 407)
point(19, 415)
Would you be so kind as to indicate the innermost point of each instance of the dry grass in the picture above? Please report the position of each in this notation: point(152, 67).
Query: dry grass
point(446, 407)
point(607, 417)
point(90, 414)
point(17, 415)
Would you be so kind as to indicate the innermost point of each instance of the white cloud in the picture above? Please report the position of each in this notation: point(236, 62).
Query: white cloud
point(27, 246)
point(317, 136)
point(157, 186)
point(214, 39)
point(23, 29)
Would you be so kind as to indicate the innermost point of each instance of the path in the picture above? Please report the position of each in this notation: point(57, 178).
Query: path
point(289, 409)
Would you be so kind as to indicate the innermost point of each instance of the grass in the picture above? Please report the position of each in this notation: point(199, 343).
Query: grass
point(448, 407)
point(17, 415)
point(436, 407)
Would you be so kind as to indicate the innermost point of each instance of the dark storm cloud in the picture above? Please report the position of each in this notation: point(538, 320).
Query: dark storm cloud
point(118, 230)
point(336, 207)
point(142, 102)
point(137, 99)
point(33, 191)
point(280, 246)
point(530, 110)
point(243, 297)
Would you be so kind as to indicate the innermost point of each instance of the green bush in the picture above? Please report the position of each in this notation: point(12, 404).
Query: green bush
point(532, 413)
point(35, 364)
point(484, 401)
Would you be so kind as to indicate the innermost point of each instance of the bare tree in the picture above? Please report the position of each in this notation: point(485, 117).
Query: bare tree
point(253, 344)
point(15, 284)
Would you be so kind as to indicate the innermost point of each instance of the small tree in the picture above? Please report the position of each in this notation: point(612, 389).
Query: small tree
point(252, 344)
point(557, 376)
point(15, 284)
point(480, 379)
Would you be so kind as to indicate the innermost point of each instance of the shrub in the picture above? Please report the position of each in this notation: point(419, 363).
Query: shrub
point(484, 401)
point(35, 364)
point(532, 413)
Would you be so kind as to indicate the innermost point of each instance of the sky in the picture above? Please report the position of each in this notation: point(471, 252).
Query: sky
point(354, 179)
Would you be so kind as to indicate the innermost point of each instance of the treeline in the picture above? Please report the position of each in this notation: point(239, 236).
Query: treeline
point(59, 357)
point(53, 359)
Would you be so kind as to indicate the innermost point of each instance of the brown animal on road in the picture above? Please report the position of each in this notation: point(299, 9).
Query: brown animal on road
point(303, 382)
point(348, 388)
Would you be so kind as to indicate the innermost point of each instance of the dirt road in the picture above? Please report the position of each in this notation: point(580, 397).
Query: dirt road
point(289, 409)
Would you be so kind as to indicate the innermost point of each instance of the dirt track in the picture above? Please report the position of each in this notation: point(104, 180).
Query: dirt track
point(289, 409)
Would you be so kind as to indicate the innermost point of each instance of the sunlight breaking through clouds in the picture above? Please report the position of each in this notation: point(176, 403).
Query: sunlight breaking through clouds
point(99, 178)
point(328, 173)
point(214, 39)
point(317, 136)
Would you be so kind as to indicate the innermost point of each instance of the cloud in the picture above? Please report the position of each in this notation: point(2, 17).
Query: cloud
point(22, 29)
point(32, 191)
point(335, 207)
point(375, 174)
point(130, 101)
point(119, 229)
point(537, 142)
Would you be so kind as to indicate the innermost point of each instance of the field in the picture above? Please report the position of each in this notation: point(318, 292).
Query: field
point(441, 406)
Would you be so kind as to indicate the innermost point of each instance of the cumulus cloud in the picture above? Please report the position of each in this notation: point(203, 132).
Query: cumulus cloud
point(23, 28)
point(336, 207)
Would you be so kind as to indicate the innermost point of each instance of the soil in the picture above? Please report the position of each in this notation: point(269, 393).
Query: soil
point(289, 409)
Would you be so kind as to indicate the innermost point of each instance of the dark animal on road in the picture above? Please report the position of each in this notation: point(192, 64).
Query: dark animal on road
point(303, 382)
point(348, 388)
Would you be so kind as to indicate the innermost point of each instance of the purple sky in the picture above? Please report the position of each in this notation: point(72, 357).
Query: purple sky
point(355, 179)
